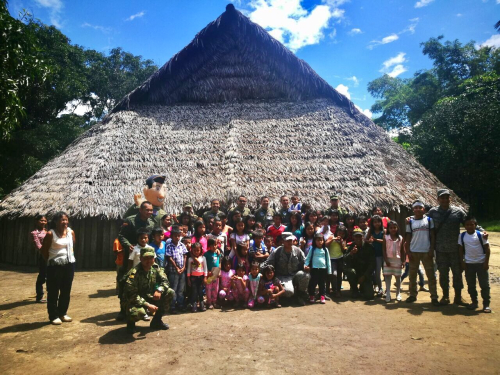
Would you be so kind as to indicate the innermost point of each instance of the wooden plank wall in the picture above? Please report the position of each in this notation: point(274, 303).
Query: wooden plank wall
point(93, 247)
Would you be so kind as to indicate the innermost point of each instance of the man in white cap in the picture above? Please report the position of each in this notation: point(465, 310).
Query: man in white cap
point(288, 261)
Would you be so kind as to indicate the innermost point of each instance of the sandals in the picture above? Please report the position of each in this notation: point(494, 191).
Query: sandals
point(487, 310)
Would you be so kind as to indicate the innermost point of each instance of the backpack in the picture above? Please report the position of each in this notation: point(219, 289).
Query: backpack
point(428, 220)
point(312, 255)
point(479, 235)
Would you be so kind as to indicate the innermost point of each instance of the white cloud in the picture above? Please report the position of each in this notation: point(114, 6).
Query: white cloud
point(355, 80)
point(55, 7)
point(97, 27)
point(396, 63)
point(397, 70)
point(137, 15)
point(498, 1)
point(366, 112)
point(411, 28)
point(388, 39)
point(292, 24)
point(356, 31)
point(344, 90)
point(460, 14)
point(422, 3)
point(493, 41)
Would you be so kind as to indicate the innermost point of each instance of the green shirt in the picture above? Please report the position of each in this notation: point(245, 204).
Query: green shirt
point(128, 231)
point(158, 213)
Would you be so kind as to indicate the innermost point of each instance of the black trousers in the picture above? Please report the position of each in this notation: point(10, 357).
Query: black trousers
point(59, 282)
point(42, 276)
point(318, 278)
point(196, 288)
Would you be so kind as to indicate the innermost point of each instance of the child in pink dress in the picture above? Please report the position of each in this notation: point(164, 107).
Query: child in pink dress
point(239, 286)
point(226, 275)
point(253, 284)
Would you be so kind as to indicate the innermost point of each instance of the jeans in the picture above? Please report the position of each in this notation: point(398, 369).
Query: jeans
point(337, 269)
point(473, 270)
point(59, 282)
point(42, 276)
point(318, 277)
point(177, 283)
point(407, 272)
point(428, 262)
point(196, 289)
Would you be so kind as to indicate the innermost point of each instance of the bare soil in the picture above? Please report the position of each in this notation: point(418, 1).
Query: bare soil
point(342, 336)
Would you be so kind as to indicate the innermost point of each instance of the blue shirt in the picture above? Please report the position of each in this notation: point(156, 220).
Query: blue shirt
point(213, 260)
point(160, 253)
point(177, 253)
point(321, 259)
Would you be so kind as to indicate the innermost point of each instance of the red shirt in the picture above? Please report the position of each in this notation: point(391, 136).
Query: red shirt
point(385, 221)
point(275, 232)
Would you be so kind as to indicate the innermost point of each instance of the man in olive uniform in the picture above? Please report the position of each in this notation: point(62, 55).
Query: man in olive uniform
point(240, 206)
point(359, 263)
point(154, 192)
point(128, 239)
point(214, 211)
point(147, 290)
point(334, 205)
point(264, 214)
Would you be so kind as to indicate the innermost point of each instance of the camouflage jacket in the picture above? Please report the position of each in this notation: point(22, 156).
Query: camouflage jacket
point(141, 285)
point(128, 232)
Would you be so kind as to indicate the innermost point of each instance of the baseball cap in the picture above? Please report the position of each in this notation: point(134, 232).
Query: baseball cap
point(357, 232)
point(334, 197)
point(443, 192)
point(155, 178)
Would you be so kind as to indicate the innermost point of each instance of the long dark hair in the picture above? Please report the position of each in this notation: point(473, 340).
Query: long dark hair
point(299, 221)
point(372, 226)
point(197, 224)
point(55, 219)
point(190, 221)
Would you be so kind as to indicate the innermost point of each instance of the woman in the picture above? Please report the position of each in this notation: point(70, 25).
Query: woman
point(295, 226)
point(57, 250)
point(38, 235)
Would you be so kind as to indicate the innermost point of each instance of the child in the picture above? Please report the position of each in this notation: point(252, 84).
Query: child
point(166, 224)
point(239, 285)
point(159, 246)
point(258, 251)
point(363, 225)
point(277, 228)
point(312, 217)
point(118, 251)
point(307, 241)
point(241, 257)
point(199, 235)
point(185, 219)
point(258, 225)
point(219, 236)
point(376, 237)
point(349, 220)
point(420, 242)
point(250, 224)
point(212, 257)
point(226, 276)
point(334, 220)
point(270, 288)
point(197, 276)
point(268, 242)
point(296, 205)
point(475, 256)
point(185, 231)
point(378, 211)
point(318, 264)
point(176, 253)
point(225, 228)
point(295, 226)
point(186, 241)
point(253, 283)
point(238, 237)
point(393, 252)
point(38, 235)
point(142, 242)
point(325, 228)
point(336, 249)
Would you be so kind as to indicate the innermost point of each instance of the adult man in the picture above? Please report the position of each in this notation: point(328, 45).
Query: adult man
point(241, 207)
point(264, 214)
point(154, 192)
point(214, 211)
point(128, 239)
point(288, 262)
point(447, 220)
point(147, 289)
point(284, 210)
point(334, 205)
point(359, 265)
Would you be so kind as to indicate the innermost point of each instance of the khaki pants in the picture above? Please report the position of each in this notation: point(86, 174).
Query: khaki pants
point(428, 262)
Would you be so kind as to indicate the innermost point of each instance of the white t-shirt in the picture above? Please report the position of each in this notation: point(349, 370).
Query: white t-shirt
point(474, 252)
point(420, 240)
point(239, 240)
point(135, 255)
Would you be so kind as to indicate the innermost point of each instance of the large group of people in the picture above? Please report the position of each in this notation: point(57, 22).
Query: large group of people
point(244, 259)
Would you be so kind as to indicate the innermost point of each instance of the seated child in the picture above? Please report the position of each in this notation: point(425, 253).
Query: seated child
point(239, 286)
point(253, 283)
point(212, 257)
point(475, 255)
point(258, 250)
point(270, 288)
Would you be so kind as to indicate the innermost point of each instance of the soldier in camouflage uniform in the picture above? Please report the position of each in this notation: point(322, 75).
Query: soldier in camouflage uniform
point(359, 264)
point(147, 289)
point(334, 205)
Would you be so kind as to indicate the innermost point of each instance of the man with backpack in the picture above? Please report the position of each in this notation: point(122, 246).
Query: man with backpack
point(420, 242)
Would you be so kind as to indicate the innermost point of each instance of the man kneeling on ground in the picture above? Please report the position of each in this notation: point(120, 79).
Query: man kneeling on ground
point(147, 289)
point(359, 263)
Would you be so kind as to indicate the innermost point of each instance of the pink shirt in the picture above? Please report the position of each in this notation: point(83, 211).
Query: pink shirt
point(38, 236)
point(202, 241)
point(393, 248)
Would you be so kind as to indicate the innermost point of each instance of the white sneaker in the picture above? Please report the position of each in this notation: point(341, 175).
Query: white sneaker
point(56, 322)
point(146, 318)
point(399, 298)
point(388, 297)
point(66, 319)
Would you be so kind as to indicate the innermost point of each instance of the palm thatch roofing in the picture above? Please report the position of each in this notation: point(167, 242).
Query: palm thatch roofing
point(232, 113)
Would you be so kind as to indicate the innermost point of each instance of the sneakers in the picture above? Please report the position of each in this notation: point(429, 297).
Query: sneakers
point(41, 300)
point(311, 299)
point(472, 306)
point(66, 319)
point(323, 300)
point(56, 322)
point(445, 300)
point(146, 318)
point(459, 301)
point(435, 302)
point(388, 297)
point(486, 309)
point(399, 298)
point(411, 299)
point(380, 292)
point(423, 289)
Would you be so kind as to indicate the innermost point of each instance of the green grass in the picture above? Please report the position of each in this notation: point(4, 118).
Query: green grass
point(490, 225)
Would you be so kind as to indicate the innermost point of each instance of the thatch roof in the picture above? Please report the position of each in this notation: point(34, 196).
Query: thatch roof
point(234, 112)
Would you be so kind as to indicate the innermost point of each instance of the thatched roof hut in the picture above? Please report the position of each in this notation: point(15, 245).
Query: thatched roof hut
point(233, 112)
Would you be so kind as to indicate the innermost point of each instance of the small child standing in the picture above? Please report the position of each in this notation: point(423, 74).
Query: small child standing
point(241, 257)
point(318, 264)
point(394, 253)
point(337, 250)
point(212, 257)
point(159, 246)
point(239, 286)
point(142, 242)
point(296, 206)
point(226, 275)
point(475, 256)
point(176, 254)
point(197, 276)
point(270, 288)
point(253, 283)
point(307, 241)
point(238, 237)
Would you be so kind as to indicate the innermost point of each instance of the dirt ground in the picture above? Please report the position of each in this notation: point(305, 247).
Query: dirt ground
point(343, 336)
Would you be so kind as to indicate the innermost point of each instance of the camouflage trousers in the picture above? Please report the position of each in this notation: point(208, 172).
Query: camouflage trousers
point(295, 283)
point(445, 262)
point(365, 288)
point(136, 313)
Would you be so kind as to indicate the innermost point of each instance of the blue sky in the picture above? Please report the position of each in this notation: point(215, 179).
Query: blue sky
point(348, 43)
